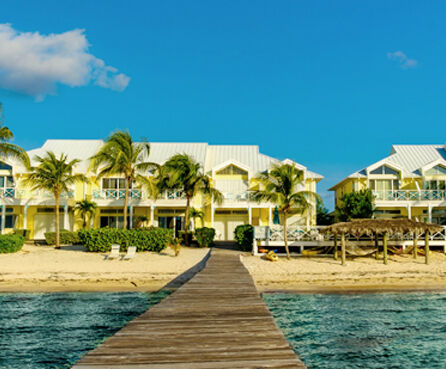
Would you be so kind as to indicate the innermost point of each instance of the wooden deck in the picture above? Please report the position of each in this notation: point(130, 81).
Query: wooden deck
point(216, 320)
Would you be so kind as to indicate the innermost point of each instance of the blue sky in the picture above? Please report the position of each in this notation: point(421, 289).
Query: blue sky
point(329, 84)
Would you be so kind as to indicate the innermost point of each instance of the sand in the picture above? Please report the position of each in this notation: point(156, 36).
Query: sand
point(45, 269)
point(366, 274)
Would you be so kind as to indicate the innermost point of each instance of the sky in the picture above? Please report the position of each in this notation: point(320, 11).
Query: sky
point(331, 85)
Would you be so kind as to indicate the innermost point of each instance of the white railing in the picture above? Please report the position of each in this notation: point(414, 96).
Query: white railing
point(12, 193)
point(174, 195)
point(410, 195)
point(302, 233)
point(112, 194)
point(236, 196)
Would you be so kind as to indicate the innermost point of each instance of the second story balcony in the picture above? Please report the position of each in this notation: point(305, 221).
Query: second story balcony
point(410, 195)
point(13, 193)
point(112, 194)
point(236, 196)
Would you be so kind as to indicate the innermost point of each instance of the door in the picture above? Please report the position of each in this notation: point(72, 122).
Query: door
point(45, 223)
point(225, 225)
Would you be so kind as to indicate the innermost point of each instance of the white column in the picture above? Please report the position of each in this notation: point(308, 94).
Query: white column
point(66, 221)
point(409, 211)
point(249, 215)
point(25, 216)
point(152, 216)
point(131, 217)
point(3, 218)
point(429, 213)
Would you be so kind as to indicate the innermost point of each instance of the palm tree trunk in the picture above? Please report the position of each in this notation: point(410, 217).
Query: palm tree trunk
point(57, 196)
point(84, 221)
point(187, 221)
point(126, 201)
point(285, 236)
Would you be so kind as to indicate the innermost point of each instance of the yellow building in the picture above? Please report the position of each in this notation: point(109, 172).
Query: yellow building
point(410, 182)
point(232, 168)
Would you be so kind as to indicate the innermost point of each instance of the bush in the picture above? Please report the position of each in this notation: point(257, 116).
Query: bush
point(11, 243)
point(145, 239)
point(244, 235)
point(205, 236)
point(22, 232)
point(66, 238)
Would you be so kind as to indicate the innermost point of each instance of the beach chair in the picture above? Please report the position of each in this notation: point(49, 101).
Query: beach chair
point(131, 252)
point(114, 253)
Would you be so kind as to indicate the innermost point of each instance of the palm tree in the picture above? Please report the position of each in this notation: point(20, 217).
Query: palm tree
point(56, 176)
point(281, 186)
point(121, 156)
point(7, 149)
point(182, 173)
point(86, 210)
point(196, 214)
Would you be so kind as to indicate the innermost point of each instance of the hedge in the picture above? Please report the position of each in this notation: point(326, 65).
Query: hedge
point(22, 232)
point(11, 243)
point(205, 236)
point(66, 238)
point(145, 239)
point(244, 235)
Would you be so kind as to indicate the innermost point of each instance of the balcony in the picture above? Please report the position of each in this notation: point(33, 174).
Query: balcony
point(410, 195)
point(236, 197)
point(174, 195)
point(13, 193)
point(116, 194)
point(7, 193)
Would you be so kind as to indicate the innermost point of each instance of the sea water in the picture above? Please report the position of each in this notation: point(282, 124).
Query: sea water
point(387, 330)
point(54, 330)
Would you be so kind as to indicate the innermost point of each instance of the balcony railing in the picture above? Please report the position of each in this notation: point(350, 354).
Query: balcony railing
point(410, 195)
point(174, 195)
point(13, 193)
point(111, 194)
point(236, 197)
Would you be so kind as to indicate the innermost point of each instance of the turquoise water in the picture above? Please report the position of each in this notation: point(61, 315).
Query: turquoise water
point(391, 330)
point(54, 330)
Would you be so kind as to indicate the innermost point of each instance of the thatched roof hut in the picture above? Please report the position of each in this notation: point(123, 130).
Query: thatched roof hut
point(358, 227)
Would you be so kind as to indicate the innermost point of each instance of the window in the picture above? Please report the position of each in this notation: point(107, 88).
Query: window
point(232, 169)
point(10, 221)
point(384, 169)
point(434, 185)
point(114, 184)
point(113, 221)
point(6, 181)
point(437, 170)
point(384, 185)
point(5, 166)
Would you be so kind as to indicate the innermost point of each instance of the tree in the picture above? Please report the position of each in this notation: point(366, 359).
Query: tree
point(182, 173)
point(56, 176)
point(7, 149)
point(281, 186)
point(86, 210)
point(354, 205)
point(323, 216)
point(120, 156)
point(196, 214)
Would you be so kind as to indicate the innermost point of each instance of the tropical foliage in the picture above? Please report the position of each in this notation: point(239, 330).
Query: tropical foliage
point(182, 173)
point(282, 186)
point(7, 149)
point(354, 205)
point(86, 209)
point(66, 238)
point(121, 156)
point(145, 239)
point(55, 175)
point(10, 243)
point(205, 236)
point(196, 214)
point(323, 216)
point(244, 236)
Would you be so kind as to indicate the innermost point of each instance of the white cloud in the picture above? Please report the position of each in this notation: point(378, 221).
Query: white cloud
point(34, 64)
point(402, 59)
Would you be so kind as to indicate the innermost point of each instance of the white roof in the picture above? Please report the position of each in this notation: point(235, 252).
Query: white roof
point(210, 156)
point(409, 158)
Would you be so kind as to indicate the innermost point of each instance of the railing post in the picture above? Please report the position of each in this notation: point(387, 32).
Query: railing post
point(3, 218)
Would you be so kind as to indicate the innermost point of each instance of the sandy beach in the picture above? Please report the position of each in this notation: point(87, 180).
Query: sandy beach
point(45, 269)
point(361, 274)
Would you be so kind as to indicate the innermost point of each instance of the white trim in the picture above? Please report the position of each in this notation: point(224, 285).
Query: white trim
point(439, 162)
point(383, 162)
point(228, 163)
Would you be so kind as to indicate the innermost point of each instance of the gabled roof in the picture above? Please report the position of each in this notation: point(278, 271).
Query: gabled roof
point(409, 158)
point(210, 156)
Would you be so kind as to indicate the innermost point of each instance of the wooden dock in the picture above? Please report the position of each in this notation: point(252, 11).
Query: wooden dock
point(216, 320)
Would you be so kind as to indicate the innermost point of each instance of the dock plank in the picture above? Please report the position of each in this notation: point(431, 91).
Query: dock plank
point(216, 320)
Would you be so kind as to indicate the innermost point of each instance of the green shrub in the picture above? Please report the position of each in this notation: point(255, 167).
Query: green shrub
point(244, 235)
point(145, 239)
point(205, 236)
point(22, 232)
point(11, 243)
point(66, 238)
